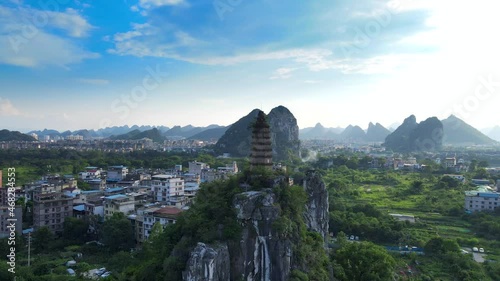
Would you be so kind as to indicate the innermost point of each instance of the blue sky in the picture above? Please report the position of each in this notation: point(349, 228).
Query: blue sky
point(90, 64)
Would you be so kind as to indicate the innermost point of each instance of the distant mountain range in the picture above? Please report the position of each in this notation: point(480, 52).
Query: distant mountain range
point(432, 133)
point(375, 133)
point(455, 132)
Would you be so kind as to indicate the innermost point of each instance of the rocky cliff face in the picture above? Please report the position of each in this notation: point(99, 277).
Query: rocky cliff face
point(316, 213)
point(263, 251)
point(284, 134)
point(260, 254)
point(208, 263)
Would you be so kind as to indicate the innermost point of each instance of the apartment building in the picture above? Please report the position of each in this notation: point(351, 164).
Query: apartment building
point(146, 219)
point(167, 188)
point(118, 204)
point(50, 210)
point(481, 199)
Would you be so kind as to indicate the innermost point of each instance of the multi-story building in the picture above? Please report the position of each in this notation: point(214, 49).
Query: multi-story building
point(117, 173)
point(50, 210)
point(74, 138)
point(196, 167)
point(163, 215)
point(167, 188)
point(450, 162)
point(90, 173)
point(5, 214)
point(118, 204)
point(481, 199)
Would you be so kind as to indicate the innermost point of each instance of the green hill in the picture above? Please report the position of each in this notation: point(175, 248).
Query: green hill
point(6, 135)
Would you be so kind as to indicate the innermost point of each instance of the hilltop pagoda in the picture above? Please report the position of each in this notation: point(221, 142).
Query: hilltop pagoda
point(262, 151)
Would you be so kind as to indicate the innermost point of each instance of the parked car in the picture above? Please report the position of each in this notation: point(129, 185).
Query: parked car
point(475, 249)
point(481, 250)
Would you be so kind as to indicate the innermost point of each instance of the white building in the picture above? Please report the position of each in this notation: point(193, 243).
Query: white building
point(167, 188)
point(90, 173)
point(74, 137)
point(481, 199)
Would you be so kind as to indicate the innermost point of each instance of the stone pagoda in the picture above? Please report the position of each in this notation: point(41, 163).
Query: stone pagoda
point(262, 151)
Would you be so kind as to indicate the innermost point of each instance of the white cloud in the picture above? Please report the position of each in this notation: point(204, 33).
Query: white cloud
point(27, 41)
point(8, 109)
point(56, 51)
point(70, 21)
point(157, 3)
point(93, 81)
point(282, 73)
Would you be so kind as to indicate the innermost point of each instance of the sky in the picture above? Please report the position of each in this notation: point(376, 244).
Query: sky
point(93, 64)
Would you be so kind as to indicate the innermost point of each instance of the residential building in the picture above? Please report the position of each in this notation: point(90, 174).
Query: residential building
point(74, 138)
point(481, 199)
point(118, 204)
point(50, 210)
point(450, 162)
point(167, 188)
point(117, 173)
point(196, 167)
point(5, 214)
point(90, 173)
point(164, 215)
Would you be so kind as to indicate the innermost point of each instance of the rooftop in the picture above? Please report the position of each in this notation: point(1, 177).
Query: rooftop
point(114, 197)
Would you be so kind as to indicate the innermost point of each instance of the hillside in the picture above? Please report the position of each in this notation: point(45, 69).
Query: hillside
point(353, 134)
point(153, 134)
point(412, 136)
point(457, 132)
point(210, 134)
point(6, 135)
point(376, 133)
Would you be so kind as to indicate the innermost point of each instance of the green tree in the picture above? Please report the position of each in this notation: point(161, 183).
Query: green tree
point(117, 233)
point(42, 239)
point(75, 229)
point(363, 261)
point(441, 246)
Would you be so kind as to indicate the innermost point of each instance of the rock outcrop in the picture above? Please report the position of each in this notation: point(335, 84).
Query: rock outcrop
point(412, 136)
point(316, 211)
point(284, 135)
point(208, 263)
point(270, 244)
point(260, 254)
